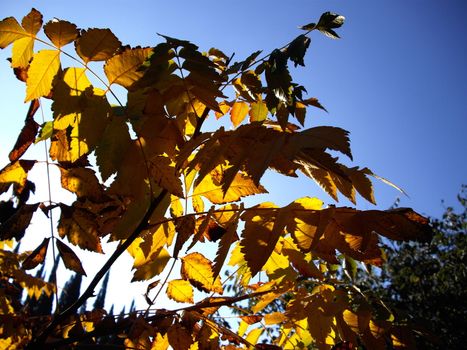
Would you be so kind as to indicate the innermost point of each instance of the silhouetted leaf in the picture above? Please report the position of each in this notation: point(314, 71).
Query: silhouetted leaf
point(70, 259)
point(37, 256)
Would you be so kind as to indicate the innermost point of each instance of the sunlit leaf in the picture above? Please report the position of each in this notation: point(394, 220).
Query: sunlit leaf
point(44, 67)
point(83, 182)
point(123, 69)
point(152, 268)
point(258, 111)
point(198, 270)
point(70, 259)
point(15, 173)
point(180, 291)
point(238, 113)
point(163, 171)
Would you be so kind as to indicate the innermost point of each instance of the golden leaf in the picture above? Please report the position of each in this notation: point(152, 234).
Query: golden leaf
point(22, 52)
point(10, 31)
point(274, 318)
point(70, 259)
point(241, 186)
point(180, 291)
point(238, 113)
point(152, 268)
point(15, 173)
point(97, 45)
point(44, 67)
point(37, 256)
point(122, 69)
point(198, 270)
point(253, 335)
point(160, 342)
point(61, 32)
point(224, 107)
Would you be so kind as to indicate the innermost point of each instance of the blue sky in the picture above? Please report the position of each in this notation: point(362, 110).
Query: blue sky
point(397, 80)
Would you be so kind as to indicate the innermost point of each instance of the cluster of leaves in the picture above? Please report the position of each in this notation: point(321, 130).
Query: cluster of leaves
point(162, 187)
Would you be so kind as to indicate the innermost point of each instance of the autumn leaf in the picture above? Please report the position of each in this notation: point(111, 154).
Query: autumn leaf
point(15, 173)
point(80, 227)
point(16, 225)
point(96, 45)
point(258, 111)
point(198, 270)
point(180, 291)
point(28, 133)
point(10, 31)
point(70, 259)
point(37, 256)
point(61, 32)
point(238, 113)
point(179, 337)
point(83, 182)
point(163, 171)
point(152, 268)
point(123, 69)
point(44, 67)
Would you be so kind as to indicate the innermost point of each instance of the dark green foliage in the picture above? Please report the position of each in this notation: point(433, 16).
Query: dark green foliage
point(426, 283)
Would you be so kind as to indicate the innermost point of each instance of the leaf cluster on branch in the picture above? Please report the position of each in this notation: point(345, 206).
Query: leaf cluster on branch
point(163, 187)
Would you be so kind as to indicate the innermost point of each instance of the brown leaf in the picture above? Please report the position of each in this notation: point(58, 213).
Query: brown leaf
point(37, 256)
point(28, 133)
point(96, 45)
point(16, 225)
point(70, 259)
point(61, 32)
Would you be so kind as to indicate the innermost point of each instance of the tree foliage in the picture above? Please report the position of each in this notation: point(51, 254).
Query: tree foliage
point(426, 283)
point(163, 186)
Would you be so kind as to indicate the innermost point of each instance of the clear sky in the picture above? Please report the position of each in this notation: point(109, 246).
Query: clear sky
point(397, 80)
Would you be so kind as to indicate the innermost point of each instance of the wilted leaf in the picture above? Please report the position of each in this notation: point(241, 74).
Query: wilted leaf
point(28, 133)
point(97, 44)
point(198, 270)
point(61, 32)
point(180, 291)
point(37, 256)
point(70, 259)
point(44, 67)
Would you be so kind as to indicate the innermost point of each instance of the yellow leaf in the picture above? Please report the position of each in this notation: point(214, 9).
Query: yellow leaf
point(97, 45)
point(123, 69)
point(274, 318)
point(61, 32)
point(153, 268)
point(15, 173)
point(75, 78)
point(10, 31)
point(22, 52)
point(198, 270)
point(253, 335)
point(44, 67)
point(258, 111)
point(241, 186)
point(160, 342)
point(180, 291)
point(238, 113)
point(224, 107)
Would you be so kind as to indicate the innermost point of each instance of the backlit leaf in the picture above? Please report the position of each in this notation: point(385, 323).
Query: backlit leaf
point(83, 182)
point(15, 173)
point(164, 174)
point(123, 69)
point(70, 259)
point(80, 227)
point(16, 225)
point(22, 52)
point(96, 44)
point(44, 67)
point(37, 256)
point(198, 270)
point(153, 268)
point(180, 291)
point(238, 113)
point(61, 32)
point(258, 111)
point(179, 337)
point(10, 30)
